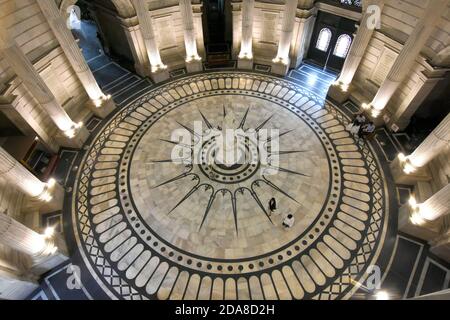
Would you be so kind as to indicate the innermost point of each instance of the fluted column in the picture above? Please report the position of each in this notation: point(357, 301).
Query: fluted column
point(46, 251)
point(436, 141)
point(408, 55)
point(433, 208)
point(236, 13)
point(34, 83)
point(247, 27)
point(359, 45)
point(17, 236)
point(72, 51)
point(193, 60)
point(436, 206)
point(281, 61)
point(159, 72)
point(16, 174)
point(189, 30)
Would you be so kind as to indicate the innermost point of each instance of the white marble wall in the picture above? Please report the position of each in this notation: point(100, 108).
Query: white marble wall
point(266, 31)
point(168, 27)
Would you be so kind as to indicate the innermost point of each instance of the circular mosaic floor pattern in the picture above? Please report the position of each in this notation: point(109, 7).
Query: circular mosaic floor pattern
point(151, 227)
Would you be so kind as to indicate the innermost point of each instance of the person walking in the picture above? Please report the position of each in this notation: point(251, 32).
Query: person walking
point(272, 206)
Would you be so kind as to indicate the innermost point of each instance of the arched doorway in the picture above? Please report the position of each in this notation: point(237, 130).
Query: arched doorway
point(97, 25)
point(331, 41)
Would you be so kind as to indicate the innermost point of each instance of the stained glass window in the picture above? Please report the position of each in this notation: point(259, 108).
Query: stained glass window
point(342, 46)
point(323, 41)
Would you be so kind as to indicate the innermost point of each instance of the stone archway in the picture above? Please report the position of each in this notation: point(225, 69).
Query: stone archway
point(123, 7)
point(116, 26)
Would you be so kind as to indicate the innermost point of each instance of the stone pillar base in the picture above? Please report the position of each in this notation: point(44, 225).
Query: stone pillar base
point(336, 94)
point(45, 264)
point(33, 205)
point(48, 264)
point(280, 68)
point(405, 225)
point(244, 63)
point(143, 71)
point(76, 142)
point(194, 66)
point(400, 177)
point(104, 110)
point(160, 75)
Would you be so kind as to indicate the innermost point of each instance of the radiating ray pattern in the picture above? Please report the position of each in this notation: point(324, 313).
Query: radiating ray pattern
point(130, 258)
point(202, 180)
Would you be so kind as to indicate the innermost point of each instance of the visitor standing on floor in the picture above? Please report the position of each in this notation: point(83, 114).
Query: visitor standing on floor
point(288, 222)
point(272, 205)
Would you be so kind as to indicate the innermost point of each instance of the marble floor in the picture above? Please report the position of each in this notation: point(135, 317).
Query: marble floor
point(143, 226)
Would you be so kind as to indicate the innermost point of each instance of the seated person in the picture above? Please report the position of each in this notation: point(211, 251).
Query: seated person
point(288, 222)
point(367, 129)
point(358, 121)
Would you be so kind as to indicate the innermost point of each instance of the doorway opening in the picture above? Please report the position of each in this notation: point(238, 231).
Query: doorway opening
point(217, 26)
point(100, 33)
point(27, 149)
point(330, 42)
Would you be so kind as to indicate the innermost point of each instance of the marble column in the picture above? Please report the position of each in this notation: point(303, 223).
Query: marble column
point(408, 55)
point(22, 66)
point(136, 43)
point(158, 68)
point(408, 169)
point(17, 175)
point(102, 105)
point(193, 60)
point(236, 13)
point(360, 43)
point(433, 144)
point(39, 247)
point(245, 58)
point(436, 206)
point(422, 219)
point(198, 25)
point(19, 237)
point(280, 64)
point(303, 29)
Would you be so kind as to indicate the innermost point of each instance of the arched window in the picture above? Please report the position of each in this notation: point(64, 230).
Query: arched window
point(342, 46)
point(323, 41)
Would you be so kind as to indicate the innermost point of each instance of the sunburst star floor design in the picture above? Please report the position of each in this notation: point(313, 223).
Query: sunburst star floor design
point(149, 228)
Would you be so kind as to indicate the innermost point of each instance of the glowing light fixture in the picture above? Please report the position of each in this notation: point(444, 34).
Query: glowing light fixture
point(49, 232)
point(382, 295)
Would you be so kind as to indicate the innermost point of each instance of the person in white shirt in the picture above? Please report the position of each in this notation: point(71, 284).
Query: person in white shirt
point(357, 123)
point(288, 222)
point(367, 129)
